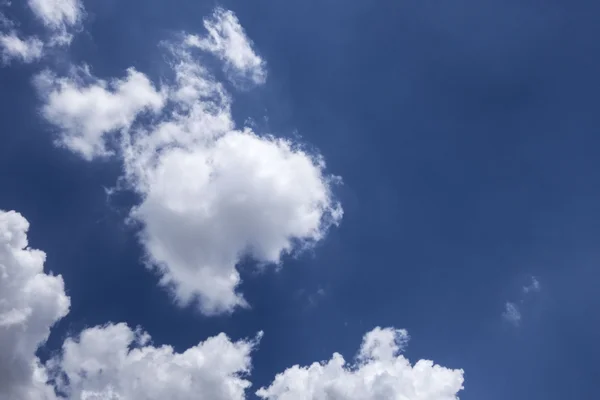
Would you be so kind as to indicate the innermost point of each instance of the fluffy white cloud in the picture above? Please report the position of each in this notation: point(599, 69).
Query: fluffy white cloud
point(380, 373)
point(58, 16)
point(206, 206)
point(31, 301)
point(86, 108)
point(13, 47)
point(211, 193)
point(103, 363)
point(113, 362)
point(228, 41)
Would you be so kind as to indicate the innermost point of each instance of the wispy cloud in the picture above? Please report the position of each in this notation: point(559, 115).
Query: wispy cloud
point(511, 313)
point(228, 41)
point(534, 286)
point(60, 18)
point(25, 50)
point(315, 298)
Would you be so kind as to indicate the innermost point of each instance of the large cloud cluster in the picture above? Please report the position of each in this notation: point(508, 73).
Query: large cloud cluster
point(211, 193)
point(103, 363)
point(115, 362)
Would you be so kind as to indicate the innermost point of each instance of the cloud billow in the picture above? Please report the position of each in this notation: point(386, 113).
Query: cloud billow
point(114, 361)
point(380, 372)
point(31, 302)
point(102, 363)
point(211, 193)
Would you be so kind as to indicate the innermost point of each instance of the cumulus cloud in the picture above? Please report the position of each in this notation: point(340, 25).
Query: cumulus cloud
point(211, 193)
point(25, 50)
point(31, 301)
point(206, 206)
point(115, 362)
point(379, 372)
point(228, 41)
point(102, 363)
point(86, 108)
point(59, 16)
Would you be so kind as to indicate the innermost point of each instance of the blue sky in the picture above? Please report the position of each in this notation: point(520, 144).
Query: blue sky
point(390, 181)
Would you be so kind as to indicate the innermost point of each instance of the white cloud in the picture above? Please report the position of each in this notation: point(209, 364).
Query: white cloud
point(379, 372)
point(31, 301)
point(228, 41)
point(13, 47)
point(211, 193)
point(512, 313)
point(113, 362)
point(533, 287)
point(103, 363)
point(58, 16)
point(56, 13)
point(206, 206)
point(86, 112)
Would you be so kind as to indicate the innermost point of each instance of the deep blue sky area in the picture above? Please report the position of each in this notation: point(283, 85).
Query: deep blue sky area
point(466, 135)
